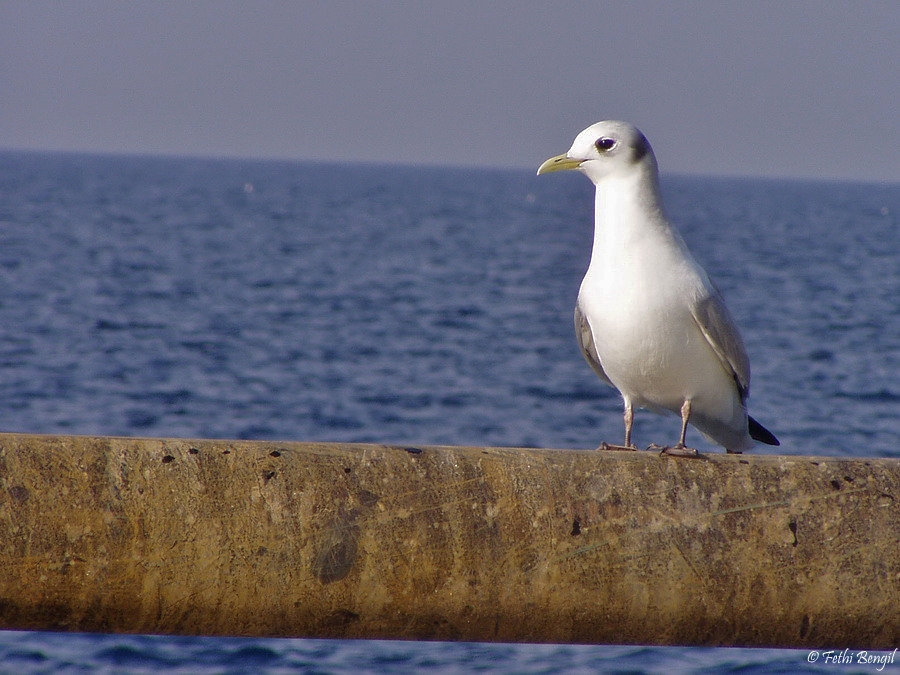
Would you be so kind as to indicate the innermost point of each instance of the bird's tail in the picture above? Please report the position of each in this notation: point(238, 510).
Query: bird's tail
point(759, 433)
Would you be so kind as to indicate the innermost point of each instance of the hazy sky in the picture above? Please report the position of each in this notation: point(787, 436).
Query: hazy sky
point(780, 88)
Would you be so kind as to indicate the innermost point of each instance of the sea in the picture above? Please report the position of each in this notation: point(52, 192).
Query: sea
point(237, 299)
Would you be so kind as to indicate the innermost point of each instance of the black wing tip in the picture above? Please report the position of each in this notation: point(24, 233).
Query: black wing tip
point(759, 433)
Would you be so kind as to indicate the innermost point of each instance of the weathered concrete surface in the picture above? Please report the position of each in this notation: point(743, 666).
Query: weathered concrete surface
point(320, 540)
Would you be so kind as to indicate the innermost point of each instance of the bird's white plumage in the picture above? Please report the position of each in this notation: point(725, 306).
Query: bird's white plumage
point(648, 319)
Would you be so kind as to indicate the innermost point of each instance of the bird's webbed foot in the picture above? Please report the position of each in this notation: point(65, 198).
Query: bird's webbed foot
point(609, 446)
point(677, 450)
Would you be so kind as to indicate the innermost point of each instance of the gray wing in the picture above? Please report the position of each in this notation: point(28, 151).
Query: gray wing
point(586, 344)
point(719, 329)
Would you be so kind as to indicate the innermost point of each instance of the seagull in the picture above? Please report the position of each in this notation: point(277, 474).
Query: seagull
point(648, 320)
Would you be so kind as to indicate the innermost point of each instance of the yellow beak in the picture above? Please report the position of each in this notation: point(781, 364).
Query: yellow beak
point(559, 163)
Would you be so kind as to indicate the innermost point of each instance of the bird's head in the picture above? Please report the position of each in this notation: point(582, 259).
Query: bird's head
point(604, 149)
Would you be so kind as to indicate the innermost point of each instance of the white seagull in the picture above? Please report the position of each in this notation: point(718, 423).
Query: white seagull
point(648, 319)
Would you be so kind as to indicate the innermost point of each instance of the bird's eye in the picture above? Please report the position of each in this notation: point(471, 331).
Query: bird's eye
point(604, 144)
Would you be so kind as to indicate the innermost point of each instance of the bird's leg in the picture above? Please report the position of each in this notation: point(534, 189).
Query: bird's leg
point(685, 416)
point(629, 422)
point(680, 449)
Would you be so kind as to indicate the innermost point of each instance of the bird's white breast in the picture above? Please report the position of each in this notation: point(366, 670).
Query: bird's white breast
point(637, 297)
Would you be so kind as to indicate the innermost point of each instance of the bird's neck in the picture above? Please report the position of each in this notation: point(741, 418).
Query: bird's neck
point(627, 209)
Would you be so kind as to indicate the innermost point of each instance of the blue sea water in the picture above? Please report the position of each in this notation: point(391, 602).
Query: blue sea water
point(275, 300)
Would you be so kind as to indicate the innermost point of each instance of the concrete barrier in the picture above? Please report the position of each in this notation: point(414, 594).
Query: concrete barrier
point(204, 537)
